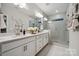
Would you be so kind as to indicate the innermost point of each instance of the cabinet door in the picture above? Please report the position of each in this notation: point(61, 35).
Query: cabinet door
point(45, 39)
point(19, 51)
point(39, 44)
point(32, 48)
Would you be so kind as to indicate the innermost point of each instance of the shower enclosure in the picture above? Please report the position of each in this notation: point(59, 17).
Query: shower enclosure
point(58, 31)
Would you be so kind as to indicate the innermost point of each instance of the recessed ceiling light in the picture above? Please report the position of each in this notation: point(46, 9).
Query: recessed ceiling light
point(16, 3)
point(56, 11)
point(22, 5)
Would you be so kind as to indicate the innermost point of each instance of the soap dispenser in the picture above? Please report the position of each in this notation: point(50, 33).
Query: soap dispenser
point(24, 32)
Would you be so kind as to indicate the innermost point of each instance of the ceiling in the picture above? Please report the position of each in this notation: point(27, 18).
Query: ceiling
point(47, 9)
point(53, 8)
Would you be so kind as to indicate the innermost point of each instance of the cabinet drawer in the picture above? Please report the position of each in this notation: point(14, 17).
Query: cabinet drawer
point(13, 44)
point(31, 39)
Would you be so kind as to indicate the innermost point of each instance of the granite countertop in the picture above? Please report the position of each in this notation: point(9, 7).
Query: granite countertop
point(8, 38)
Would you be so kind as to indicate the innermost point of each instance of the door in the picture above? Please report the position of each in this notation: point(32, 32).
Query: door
point(59, 25)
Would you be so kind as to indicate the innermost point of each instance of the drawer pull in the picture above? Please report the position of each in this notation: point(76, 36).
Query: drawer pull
point(25, 48)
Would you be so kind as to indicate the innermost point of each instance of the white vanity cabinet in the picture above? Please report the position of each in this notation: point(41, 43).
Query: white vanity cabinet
point(27, 46)
point(24, 50)
point(24, 47)
point(16, 48)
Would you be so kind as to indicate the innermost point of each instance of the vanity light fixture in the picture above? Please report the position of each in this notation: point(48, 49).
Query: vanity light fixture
point(38, 14)
point(21, 5)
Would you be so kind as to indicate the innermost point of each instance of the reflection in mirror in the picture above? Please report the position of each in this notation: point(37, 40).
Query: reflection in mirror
point(3, 23)
point(35, 23)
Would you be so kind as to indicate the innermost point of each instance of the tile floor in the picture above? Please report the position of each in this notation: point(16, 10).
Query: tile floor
point(55, 50)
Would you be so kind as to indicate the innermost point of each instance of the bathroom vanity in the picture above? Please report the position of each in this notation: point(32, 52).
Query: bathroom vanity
point(23, 45)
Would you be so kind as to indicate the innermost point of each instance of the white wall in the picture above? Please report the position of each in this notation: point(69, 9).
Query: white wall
point(58, 29)
point(74, 41)
point(13, 14)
